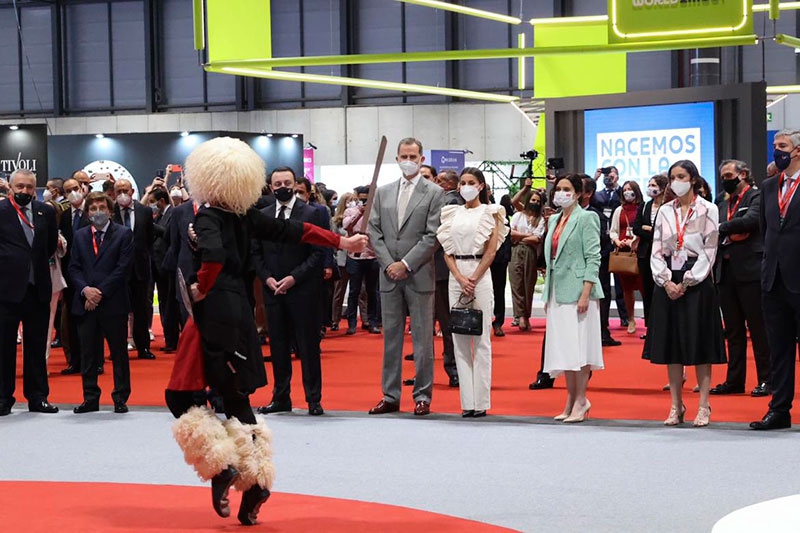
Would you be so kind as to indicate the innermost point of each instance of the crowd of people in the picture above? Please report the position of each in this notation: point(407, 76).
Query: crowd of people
point(710, 271)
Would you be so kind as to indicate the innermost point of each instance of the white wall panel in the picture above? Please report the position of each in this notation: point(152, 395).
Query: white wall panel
point(362, 134)
point(432, 126)
point(468, 129)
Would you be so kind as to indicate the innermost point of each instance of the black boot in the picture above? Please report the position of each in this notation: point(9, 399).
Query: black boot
point(220, 485)
point(252, 499)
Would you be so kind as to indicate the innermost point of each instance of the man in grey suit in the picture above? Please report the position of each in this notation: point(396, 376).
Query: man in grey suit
point(402, 229)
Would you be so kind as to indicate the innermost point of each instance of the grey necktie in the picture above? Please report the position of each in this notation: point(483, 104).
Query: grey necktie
point(402, 201)
point(25, 225)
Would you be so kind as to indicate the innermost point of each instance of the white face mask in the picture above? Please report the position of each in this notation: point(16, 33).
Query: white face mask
point(563, 199)
point(629, 196)
point(75, 198)
point(409, 168)
point(680, 188)
point(124, 200)
point(469, 192)
point(176, 193)
point(47, 196)
point(352, 203)
point(652, 192)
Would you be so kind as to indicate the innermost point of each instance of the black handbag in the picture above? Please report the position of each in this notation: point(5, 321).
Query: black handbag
point(466, 320)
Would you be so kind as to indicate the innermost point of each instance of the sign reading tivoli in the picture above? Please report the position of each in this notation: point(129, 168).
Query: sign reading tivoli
point(673, 20)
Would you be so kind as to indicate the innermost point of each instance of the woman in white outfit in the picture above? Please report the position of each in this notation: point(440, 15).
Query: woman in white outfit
point(572, 294)
point(470, 235)
point(59, 283)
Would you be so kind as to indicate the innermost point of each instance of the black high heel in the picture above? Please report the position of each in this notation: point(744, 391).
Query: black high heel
point(220, 485)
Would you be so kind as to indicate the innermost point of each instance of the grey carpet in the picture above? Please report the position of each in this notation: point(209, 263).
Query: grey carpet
point(527, 474)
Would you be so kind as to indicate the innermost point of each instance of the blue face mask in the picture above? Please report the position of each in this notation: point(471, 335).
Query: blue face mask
point(782, 159)
point(99, 219)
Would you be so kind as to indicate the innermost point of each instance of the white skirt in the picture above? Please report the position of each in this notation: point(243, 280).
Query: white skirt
point(573, 340)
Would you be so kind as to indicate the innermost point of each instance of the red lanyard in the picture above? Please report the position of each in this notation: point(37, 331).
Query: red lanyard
point(194, 206)
point(22, 215)
point(785, 199)
point(94, 241)
point(680, 229)
point(732, 212)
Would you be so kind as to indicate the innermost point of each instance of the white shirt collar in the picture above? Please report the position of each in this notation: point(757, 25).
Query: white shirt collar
point(413, 181)
point(289, 205)
point(794, 176)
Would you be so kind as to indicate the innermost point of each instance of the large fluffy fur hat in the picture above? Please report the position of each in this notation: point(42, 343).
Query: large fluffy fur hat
point(227, 173)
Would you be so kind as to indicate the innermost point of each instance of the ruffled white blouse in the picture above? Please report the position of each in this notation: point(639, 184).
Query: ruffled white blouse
point(466, 231)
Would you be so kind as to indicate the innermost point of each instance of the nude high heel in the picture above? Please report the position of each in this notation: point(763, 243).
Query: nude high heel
point(703, 417)
point(582, 415)
point(675, 417)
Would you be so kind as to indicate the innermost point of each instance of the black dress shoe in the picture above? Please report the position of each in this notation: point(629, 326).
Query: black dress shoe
point(727, 388)
point(762, 390)
point(643, 337)
point(479, 414)
point(70, 370)
point(42, 406)
point(542, 383)
point(610, 341)
point(315, 409)
point(498, 332)
point(147, 354)
point(120, 407)
point(623, 322)
point(220, 486)
point(275, 407)
point(409, 382)
point(334, 327)
point(453, 382)
point(364, 326)
point(86, 408)
point(467, 414)
point(375, 330)
point(350, 331)
point(772, 420)
point(5, 410)
point(100, 370)
point(169, 349)
point(252, 500)
point(409, 357)
point(56, 344)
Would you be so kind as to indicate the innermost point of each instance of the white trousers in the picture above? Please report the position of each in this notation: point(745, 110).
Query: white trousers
point(473, 353)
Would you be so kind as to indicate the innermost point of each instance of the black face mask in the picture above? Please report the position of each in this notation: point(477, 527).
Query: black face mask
point(363, 202)
point(608, 181)
point(782, 159)
point(284, 194)
point(22, 198)
point(534, 207)
point(730, 186)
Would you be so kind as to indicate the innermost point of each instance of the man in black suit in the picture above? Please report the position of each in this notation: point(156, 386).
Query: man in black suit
point(738, 278)
point(27, 242)
point(179, 253)
point(72, 219)
point(100, 267)
point(139, 219)
point(164, 277)
point(780, 285)
point(292, 277)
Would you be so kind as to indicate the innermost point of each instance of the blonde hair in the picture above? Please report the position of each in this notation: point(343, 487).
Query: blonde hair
point(338, 216)
point(227, 173)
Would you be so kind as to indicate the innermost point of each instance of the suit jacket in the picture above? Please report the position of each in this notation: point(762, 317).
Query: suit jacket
point(161, 245)
point(329, 260)
point(743, 257)
point(302, 261)
point(414, 241)
point(577, 258)
point(65, 226)
point(179, 254)
point(442, 272)
point(781, 242)
point(108, 271)
point(644, 218)
point(143, 237)
point(17, 256)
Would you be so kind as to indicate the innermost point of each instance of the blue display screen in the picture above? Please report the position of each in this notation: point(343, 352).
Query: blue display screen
point(643, 141)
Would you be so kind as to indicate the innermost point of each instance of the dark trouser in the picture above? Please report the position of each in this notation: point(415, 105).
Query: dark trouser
point(236, 403)
point(35, 318)
point(605, 303)
point(295, 318)
point(441, 312)
point(541, 374)
point(168, 308)
point(741, 310)
point(782, 317)
point(648, 285)
point(327, 302)
point(92, 328)
point(366, 270)
point(142, 307)
point(499, 275)
point(69, 330)
point(619, 297)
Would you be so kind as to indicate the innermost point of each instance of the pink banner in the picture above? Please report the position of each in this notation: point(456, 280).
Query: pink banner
point(308, 163)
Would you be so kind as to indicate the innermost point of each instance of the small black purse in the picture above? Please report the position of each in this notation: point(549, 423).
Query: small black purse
point(464, 320)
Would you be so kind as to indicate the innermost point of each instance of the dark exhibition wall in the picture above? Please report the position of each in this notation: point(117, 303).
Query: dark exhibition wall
point(24, 147)
point(142, 154)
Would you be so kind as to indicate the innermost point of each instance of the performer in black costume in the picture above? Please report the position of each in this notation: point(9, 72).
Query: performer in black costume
point(226, 177)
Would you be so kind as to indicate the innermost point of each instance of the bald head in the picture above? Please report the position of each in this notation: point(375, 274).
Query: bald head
point(123, 186)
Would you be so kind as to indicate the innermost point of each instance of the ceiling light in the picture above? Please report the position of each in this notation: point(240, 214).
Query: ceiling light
point(99, 135)
point(294, 136)
point(589, 19)
point(14, 127)
point(784, 6)
point(463, 10)
point(184, 134)
point(269, 135)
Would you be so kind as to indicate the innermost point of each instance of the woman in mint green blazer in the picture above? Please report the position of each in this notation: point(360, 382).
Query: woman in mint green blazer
point(571, 294)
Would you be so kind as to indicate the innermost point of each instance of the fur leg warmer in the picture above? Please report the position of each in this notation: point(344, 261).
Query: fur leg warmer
point(254, 449)
point(205, 442)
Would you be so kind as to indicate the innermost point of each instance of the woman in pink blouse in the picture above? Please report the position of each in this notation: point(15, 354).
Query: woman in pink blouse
point(686, 328)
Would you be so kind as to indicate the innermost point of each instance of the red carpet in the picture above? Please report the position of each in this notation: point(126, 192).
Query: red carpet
point(81, 507)
point(629, 387)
